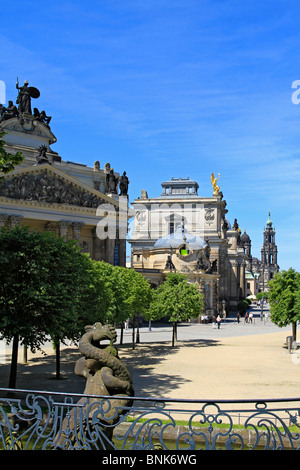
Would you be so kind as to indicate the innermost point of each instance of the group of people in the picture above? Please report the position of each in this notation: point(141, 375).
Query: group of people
point(248, 317)
point(216, 321)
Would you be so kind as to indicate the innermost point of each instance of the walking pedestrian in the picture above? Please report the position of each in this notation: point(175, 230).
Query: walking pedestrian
point(238, 317)
point(250, 317)
point(214, 322)
point(219, 321)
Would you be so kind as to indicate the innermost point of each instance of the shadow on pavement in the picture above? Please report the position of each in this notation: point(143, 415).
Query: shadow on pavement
point(142, 362)
point(40, 372)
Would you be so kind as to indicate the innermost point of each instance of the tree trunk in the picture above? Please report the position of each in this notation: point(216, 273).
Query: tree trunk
point(122, 331)
point(133, 333)
point(138, 332)
point(294, 331)
point(174, 334)
point(14, 363)
point(25, 356)
point(57, 358)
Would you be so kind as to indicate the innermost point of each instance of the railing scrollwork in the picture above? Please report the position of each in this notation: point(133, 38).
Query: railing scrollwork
point(50, 420)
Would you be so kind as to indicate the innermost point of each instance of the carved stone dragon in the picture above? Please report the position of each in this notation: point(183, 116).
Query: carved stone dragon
point(105, 375)
point(101, 366)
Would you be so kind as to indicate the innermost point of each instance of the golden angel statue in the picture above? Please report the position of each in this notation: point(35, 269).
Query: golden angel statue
point(214, 184)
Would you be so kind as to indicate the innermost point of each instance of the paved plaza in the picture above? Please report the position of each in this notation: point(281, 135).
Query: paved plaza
point(239, 360)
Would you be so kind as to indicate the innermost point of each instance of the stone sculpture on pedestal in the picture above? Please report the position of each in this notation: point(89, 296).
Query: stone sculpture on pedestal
point(105, 376)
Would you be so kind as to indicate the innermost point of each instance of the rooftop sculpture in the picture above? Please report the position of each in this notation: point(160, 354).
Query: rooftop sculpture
point(214, 184)
point(25, 94)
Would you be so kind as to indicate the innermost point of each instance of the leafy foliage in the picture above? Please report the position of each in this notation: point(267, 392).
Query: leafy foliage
point(127, 291)
point(176, 299)
point(8, 161)
point(41, 279)
point(265, 295)
point(243, 306)
point(43, 285)
point(284, 298)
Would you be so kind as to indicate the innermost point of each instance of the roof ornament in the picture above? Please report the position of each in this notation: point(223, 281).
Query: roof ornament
point(269, 221)
point(214, 184)
point(25, 93)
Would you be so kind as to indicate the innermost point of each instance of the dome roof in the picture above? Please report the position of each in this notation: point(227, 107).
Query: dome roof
point(269, 221)
point(245, 237)
point(174, 240)
point(228, 223)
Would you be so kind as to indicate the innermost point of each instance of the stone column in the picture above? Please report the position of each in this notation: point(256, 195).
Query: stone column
point(77, 226)
point(122, 252)
point(4, 220)
point(228, 280)
point(97, 246)
point(242, 279)
point(110, 250)
point(63, 228)
point(15, 220)
point(215, 303)
point(234, 279)
point(51, 227)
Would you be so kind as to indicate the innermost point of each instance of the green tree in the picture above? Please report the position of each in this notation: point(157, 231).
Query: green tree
point(176, 299)
point(8, 161)
point(42, 280)
point(137, 296)
point(95, 298)
point(90, 300)
point(259, 295)
point(284, 299)
point(106, 279)
point(127, 293)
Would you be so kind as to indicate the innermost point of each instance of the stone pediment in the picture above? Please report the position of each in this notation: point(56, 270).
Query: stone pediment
point(46, 184)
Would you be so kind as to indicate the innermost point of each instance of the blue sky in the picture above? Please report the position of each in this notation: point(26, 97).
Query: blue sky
point(163, 88)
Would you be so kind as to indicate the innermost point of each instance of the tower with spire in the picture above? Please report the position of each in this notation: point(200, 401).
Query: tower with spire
point(268, 265)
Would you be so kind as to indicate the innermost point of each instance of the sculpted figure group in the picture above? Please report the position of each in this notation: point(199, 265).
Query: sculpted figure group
point(112, 183)
point(25, 94)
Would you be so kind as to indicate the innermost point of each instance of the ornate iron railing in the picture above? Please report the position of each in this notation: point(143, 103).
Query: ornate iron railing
point(50, 420)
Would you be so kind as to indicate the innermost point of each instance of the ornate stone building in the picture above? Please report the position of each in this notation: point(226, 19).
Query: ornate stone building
point(260, 272)
point(47, 193)
point(183, 232)
point(267, 266)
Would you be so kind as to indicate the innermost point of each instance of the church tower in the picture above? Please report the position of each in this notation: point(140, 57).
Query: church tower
point(246, 243)
point(269, 264)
